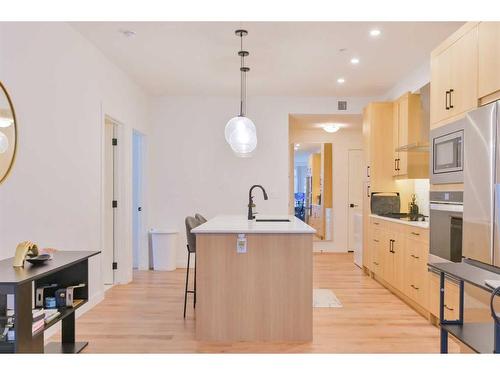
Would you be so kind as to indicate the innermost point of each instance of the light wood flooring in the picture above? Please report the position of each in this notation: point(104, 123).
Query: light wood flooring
point(145, 316)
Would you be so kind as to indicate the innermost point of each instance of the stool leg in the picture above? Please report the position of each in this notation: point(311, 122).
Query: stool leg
point(186, 289)
point(194, 300)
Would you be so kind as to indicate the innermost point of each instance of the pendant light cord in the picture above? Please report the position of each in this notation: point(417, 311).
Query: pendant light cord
point(242, 80)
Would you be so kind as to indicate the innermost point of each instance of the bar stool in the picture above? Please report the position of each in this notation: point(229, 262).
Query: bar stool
point(191, 223)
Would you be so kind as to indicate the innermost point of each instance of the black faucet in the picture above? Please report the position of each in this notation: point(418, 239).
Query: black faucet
point(250, 200)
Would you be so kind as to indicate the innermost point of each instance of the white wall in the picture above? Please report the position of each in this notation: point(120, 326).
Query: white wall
point(196, 170)
point(342, 141)
point(412, 82)
point(58, 83)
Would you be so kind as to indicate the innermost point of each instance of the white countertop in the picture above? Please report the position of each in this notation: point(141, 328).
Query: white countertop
point(240, 224)
point(419, 224)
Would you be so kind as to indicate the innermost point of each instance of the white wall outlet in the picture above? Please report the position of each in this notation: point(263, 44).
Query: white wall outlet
point(241, 244)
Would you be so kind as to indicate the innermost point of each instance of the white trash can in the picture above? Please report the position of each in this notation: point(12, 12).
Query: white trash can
point(164, 249)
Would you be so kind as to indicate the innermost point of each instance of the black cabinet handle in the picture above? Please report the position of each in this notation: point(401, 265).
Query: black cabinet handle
point(391, 246)
point(449, 308)
point(398, 160)
point(368, 171)
point(451, 92)
point(415, 233)
point(368, 191)
point(374, 240)
point(446, 100)
point(395, 164)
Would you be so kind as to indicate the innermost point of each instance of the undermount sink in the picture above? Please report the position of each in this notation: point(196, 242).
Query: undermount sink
point(273, 220)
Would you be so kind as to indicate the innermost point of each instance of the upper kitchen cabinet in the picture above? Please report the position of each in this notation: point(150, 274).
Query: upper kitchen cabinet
point(488, 60)
point(454, 75)
point(410, 137)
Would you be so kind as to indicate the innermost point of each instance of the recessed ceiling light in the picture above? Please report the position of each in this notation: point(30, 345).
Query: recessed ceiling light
point(128, 33)
point(340, 80)
point(331, 128)
point(375, 32)
point(354, 60)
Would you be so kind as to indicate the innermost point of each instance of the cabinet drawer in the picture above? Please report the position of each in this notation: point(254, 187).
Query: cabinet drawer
point(416, 233)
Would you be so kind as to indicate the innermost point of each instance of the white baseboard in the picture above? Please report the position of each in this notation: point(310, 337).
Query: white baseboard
point(93, 301)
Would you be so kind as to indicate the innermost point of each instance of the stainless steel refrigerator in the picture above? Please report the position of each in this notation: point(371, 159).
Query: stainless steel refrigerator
point(481, 216)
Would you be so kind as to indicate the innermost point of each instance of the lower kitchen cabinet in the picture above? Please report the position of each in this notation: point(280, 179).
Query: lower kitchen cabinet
point(399, 256)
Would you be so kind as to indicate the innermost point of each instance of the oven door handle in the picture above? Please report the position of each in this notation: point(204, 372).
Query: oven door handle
point(447, 207)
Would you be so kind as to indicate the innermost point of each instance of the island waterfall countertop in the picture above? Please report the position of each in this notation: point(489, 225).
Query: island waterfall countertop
point(240, 224)
point(419, 224)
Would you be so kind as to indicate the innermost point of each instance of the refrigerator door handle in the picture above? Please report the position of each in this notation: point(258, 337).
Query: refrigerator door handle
point(496, 227)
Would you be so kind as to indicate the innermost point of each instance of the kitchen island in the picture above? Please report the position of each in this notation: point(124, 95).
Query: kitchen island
point(254, 279)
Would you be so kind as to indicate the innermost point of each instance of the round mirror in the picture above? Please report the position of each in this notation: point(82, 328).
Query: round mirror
point(8, 134)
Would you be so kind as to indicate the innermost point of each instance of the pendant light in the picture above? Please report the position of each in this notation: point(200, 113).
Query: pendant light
point(240, 131)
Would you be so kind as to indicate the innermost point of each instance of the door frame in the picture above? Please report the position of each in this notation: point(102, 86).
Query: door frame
point(122, 221)
point(349, 192)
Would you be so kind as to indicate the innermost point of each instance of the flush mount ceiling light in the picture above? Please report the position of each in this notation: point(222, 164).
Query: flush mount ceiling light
point(341, 80)
point(128, 33)
point(375, 32)
point(331, 128)
point(354, 60)
point(240, 131)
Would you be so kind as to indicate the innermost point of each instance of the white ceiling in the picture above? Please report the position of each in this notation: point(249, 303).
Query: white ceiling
point(286, 58)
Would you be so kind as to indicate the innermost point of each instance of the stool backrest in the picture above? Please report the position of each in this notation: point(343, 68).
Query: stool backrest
point(191, 223)
point(200, 218)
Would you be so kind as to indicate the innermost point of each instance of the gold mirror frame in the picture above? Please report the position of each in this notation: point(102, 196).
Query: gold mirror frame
point(13, 159)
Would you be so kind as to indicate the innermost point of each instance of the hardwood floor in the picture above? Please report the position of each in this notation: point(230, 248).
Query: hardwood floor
point(146, 317)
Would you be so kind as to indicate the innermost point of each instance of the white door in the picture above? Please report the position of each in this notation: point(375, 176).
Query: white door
point(355, 203)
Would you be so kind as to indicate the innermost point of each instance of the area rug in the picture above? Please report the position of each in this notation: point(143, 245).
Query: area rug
point(325, 298)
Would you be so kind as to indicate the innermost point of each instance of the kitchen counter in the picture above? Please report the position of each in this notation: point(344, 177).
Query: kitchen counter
point(418, 224)
point(240, 224)
point(254, 279)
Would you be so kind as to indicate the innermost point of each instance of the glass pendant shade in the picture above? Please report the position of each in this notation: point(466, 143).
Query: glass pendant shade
point(241, 134)
point(4, 143)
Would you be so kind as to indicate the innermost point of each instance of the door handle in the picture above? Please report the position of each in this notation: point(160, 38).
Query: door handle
point(397, 163)
point(451, 92)
point(391, 246)
point(374, 240)
point(139, 209)
point(352, 205)
point(446, 100)
point(368, 191)
point(448, 308)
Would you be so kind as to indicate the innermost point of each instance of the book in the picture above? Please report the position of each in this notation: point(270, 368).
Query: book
point(38, 314)
point(52, 317)
point(37, 325)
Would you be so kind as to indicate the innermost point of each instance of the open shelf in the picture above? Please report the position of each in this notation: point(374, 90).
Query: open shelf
point(477, 336)
point(65, 311)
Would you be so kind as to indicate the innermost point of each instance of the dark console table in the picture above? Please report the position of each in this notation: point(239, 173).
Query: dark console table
point(480, 337)
point(67, 268)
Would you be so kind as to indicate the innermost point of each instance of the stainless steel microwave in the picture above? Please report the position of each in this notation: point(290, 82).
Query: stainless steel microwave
point(447, 153)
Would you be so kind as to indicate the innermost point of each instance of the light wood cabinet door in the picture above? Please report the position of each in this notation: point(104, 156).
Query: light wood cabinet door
point(463, 88)
point(451, 297)
point(415, 270)
point(440, 84)
point(489, 58)
point(403, 115)
point(395, 138)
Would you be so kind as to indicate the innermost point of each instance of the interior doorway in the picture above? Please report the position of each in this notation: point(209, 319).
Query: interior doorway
point(355, 182)
point(313, 187)
point(111, 159)
point(138, 230)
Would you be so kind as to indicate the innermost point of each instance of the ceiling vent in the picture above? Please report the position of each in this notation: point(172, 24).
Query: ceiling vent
point(342, 105)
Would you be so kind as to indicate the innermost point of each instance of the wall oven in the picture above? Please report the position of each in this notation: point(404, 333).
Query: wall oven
point(446, 218)
point(447, 153)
